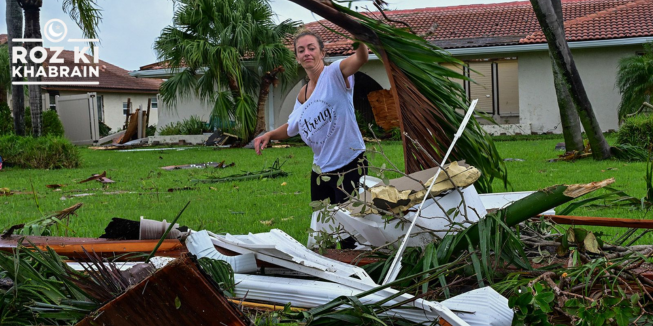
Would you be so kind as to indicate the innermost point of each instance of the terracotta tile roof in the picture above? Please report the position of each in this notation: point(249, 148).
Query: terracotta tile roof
point(507, 23)
point(632, 19)
point(3, 39)
point(111, 78)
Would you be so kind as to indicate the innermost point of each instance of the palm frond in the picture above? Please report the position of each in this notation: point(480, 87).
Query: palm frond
point(86, 14)
point(635, 80)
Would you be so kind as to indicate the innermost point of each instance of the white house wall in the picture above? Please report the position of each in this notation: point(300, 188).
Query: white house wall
point(597, 68)
point(184, 109)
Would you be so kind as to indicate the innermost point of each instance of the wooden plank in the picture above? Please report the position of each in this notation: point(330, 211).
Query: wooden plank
point(72, 247)
point(600, 221)
point(131, 129)
point(147, 116)
point(177, 294)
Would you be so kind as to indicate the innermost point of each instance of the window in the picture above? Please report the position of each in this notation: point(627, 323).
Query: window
point(53, 99)
point(100, 108)
point(495, 85)
point(125, 108)
point(154, 103)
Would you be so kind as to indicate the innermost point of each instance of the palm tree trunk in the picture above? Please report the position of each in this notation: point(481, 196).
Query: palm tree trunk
point(14, 19)
point(32, 9)
point(553, 29)
point(534, 204)
point(568, 114)
point(264, 90)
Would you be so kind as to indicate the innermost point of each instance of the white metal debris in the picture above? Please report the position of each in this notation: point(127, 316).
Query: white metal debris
point(479, 307)
point(200, 245)
point(278, 248)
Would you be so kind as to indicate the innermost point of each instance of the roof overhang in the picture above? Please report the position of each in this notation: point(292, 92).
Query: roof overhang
point(543, 46)
point(487, 50)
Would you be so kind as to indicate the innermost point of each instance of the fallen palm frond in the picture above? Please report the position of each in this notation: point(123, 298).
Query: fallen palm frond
point(428, 99)
point(42, 227)
point(273, 172)
point(44, 291)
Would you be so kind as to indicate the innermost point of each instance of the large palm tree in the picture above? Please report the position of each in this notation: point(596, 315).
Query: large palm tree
point(635, 80)
point(223, 52)
point(83, 12)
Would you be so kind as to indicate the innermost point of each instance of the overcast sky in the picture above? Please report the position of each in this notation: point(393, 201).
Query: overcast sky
point(129, 27)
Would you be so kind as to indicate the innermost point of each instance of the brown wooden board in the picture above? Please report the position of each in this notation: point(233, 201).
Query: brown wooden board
point(132, 129)
point(72, 247)
point(177, 294)
point(600, 221)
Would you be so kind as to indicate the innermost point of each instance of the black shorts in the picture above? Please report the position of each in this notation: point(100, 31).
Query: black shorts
point(329, 189)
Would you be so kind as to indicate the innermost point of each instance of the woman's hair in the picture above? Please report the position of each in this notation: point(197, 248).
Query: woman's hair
point(305, 32)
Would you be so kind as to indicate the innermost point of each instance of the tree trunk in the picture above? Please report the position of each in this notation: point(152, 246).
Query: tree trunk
point(534, 204)
point(568, 114)
point(14, 19)
point(264, 90)
point(33, 30)
point(553, 29)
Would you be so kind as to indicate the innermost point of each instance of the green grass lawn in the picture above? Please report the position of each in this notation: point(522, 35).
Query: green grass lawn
point(239, 207)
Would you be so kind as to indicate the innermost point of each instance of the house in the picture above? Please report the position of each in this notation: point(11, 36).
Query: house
point(506, 54)
point(114, 87)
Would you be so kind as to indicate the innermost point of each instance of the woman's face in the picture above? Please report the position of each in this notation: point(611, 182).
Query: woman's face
point(308, 52)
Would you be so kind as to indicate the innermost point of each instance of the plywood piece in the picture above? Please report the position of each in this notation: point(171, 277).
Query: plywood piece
point(132, 128)
point(384, 109)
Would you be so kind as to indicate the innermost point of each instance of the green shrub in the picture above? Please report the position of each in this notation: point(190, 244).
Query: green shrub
point(51, 124)
point(6, 121)
point(104, 129)
point(636, 130)
point(47, 152)
point(150, 131)
point(191, 126)
point(173, 128)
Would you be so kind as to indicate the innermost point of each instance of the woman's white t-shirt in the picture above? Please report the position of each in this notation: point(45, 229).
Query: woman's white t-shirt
point(327, 122)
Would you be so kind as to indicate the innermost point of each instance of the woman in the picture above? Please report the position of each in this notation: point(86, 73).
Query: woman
point(324, 117)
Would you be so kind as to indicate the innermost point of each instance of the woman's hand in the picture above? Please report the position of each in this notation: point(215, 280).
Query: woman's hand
point(261, 142)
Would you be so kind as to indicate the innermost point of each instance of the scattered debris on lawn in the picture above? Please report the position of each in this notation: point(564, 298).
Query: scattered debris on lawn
point(220, 165)
point(272, 268)
point(221, 139)
point(55, 186)
point(273, 172)
point(99, 177)
point(144, 229)
point(182, 188)
point(9, 192)
point(76, 196)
